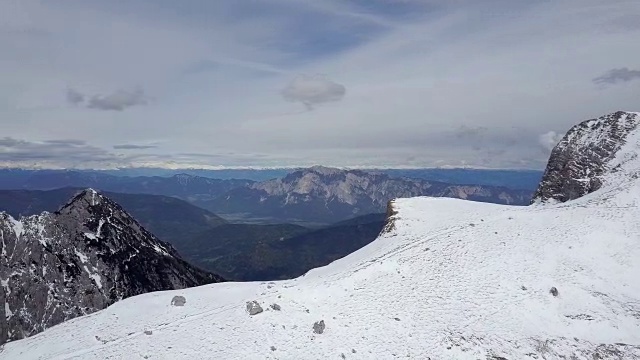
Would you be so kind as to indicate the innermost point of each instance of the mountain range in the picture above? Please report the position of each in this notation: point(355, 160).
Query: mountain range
point(446, 279)
point(187, 187)
point(235, 251)
point(325, 195)
point(312, 197)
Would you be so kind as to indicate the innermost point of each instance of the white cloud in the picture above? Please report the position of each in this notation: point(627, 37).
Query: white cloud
point(313, 90)
point(549, 140)
point(118, 100)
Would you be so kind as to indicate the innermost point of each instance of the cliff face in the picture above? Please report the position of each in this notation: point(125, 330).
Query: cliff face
point(588, 152)
point(80, 259)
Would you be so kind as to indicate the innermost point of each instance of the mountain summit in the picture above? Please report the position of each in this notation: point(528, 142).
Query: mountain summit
point(589, 153)
point(80, 259)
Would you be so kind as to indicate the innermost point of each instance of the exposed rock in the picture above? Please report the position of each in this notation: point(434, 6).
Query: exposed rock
point(178, 300)
point(553, 291)
point(586, 153)
point(254, 308)
point(318, 327)
point(276, 307)
point(148, 332)
point(80, 259)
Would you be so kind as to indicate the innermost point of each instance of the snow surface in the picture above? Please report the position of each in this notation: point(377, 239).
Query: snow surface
point(451, 279)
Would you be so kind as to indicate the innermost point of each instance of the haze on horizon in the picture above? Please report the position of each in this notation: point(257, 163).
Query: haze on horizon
point(282, 83)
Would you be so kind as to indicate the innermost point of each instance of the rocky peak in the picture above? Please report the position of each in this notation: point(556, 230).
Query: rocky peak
point(588, 154)
point(80, 259)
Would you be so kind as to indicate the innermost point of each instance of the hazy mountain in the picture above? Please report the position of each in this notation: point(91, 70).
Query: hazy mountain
point(80, 259)
point(321, 194)
point(188, 187)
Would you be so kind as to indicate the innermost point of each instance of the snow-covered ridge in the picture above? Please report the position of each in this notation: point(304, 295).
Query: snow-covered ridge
point(592, 153)
point(447, 279)
point(80, 259)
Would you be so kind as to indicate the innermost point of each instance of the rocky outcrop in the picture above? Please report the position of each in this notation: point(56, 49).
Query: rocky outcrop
point(588, 152)
point(80, 259)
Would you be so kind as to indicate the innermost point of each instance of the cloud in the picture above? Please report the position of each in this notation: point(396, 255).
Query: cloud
point(19, 152)
point(549, 140)
point(313, 90)
point(614, 76)
point(118, 100)
point(414, 90)
point(74, 97)
point(133, 147)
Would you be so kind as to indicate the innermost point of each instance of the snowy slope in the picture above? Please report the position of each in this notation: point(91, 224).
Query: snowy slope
point(451, 280)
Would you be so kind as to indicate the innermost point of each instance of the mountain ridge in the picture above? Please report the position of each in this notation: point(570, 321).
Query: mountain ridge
point(579, 162)
point(78, 260)
point(330, 195)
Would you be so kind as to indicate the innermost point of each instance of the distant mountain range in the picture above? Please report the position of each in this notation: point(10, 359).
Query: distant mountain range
point(235, 251)
point(80, 259)
point(187, 187)
point(311, 197)
point(326, 195)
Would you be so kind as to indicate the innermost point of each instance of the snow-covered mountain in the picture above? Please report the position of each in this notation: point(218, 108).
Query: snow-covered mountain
point(322, 194)
point(588, 151)
point(447, 279)
point(80, 259)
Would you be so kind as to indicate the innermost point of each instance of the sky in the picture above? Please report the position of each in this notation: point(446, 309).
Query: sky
point(280, 83)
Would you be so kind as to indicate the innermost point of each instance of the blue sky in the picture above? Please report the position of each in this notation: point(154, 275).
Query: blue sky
point(236, 83)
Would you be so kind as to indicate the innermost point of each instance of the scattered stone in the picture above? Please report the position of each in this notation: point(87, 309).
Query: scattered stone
point(554, 291)
point(396, 319)
point(343, 356)
point(306, 310)
point(273, 348)
point(523, 287)
point(276, 307)
point(318, 327)
point(253, 308)
point(148, 332)
point(178, 300)
point(353, 351)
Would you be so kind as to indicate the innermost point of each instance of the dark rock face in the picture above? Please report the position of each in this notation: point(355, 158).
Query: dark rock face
point(583, 156)
point(80, 259)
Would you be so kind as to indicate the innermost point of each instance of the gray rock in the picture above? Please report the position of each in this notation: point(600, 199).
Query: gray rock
point(318, 327)
point(178, 300)
point(578, 162)
point(78, 260)
point(253, 308)
point(554, 291)
point(276, 307)
point(148, 332)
